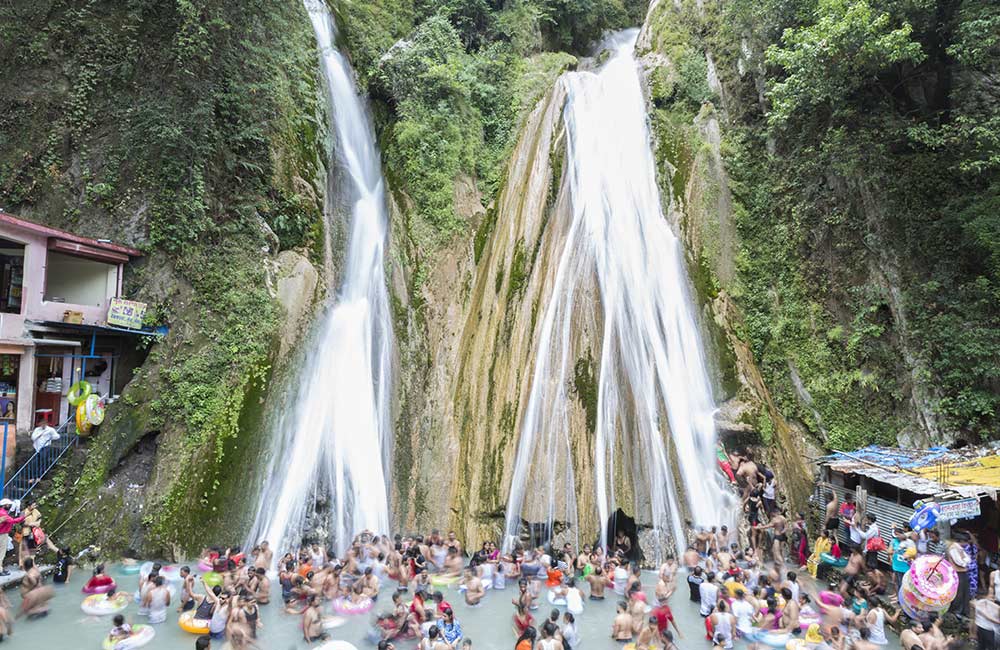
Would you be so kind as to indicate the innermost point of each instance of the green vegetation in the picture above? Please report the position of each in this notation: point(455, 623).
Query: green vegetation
point(189, 129)
point(453, 80)
point(863, 152)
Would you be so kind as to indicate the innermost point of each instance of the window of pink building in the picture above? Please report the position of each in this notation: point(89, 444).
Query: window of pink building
point(11, 276)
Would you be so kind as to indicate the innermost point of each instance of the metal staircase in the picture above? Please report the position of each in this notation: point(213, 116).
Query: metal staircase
point(24, 480)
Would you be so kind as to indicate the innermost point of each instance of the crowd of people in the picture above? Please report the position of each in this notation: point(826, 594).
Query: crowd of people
point(753, 579)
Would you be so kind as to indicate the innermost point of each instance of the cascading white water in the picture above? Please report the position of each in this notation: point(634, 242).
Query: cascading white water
point(653, 380)
point(334, 438)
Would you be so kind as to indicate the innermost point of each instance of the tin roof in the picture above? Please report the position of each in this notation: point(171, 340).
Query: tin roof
point(67, 240)
point(938, 471)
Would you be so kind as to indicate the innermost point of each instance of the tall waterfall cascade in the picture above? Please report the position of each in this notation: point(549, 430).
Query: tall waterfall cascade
point(333, 441)
point(654, 424)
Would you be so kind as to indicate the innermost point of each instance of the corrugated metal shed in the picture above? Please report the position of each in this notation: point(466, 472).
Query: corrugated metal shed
point(938, 472)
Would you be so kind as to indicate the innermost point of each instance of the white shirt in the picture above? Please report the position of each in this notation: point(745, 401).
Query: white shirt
point(43, 436)
point(743, 611)
point(570, 634)
point(709, 596)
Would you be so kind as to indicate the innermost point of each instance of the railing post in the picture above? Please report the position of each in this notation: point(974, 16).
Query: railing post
point(3, 461)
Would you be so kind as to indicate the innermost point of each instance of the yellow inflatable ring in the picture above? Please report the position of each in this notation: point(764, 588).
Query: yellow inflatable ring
point(82, 423)
point(734, 586)
point(190, 624)
point(94, 407)
point(79, 392)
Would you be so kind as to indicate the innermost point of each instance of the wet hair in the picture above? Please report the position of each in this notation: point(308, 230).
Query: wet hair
point(29, 564)
point(568, 616)
point(721, 606)
point(554, 615)
point(97, 569)
point(203, 643)
point(118, 619)
point(791, 576)
point(786, 593)
point(383, 644)
point(720, 637)
point(185, 570)
point(217, 590)
point(433, 632)
point(159, 581)
point(448, 611)
point(622, 605)
point(865, 632)
point(437, 596)
point(550, 628)
point(529, 634)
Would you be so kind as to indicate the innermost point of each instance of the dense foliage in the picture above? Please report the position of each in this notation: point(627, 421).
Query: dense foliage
point(864, 155)
point(189, 129)
point(453, 79)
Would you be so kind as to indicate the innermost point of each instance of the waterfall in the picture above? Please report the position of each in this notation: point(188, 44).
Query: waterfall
point(653, 390)
point(333, 439)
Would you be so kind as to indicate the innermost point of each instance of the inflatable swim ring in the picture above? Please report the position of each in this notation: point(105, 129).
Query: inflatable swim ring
point(141, 635)
point(831, 599)
point(932, 581)
point(444, 581)
point(212, 579)
point(807, 619)
point(79, 392)
point(826, 558)
point(130, 567)
point(204, 565)
point(349, 608)
point(337, 645)
point(189, 623)
point(101, 588)
point(558, 601)
point(82, 424)
point(102, 605)
point(733, 586)
point(769, 638)
point(94, 409)
point(925, 517)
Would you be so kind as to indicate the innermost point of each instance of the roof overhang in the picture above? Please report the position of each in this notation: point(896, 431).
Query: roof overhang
point(106, 247)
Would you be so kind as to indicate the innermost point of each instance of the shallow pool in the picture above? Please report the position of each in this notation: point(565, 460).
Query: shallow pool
point(488, 626)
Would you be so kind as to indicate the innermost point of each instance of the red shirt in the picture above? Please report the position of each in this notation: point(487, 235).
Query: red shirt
point(443, 605)
point(663, 617)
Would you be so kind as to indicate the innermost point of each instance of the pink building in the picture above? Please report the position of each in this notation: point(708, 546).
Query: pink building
point(55, 292)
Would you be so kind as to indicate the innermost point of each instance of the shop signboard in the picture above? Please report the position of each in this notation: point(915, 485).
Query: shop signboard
point(961, 509)
point(126, 313)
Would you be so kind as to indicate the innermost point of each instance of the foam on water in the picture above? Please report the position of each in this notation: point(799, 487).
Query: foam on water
point(655, 405)
point(334, 437)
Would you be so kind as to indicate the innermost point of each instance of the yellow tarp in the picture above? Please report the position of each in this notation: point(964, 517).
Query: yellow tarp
point(977, 471)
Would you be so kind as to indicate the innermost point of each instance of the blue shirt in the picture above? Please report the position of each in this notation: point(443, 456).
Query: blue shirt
point(452, 632)
point(899, 563)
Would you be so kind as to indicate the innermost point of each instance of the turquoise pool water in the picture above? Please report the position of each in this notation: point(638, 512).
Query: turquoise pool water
point(488, 626)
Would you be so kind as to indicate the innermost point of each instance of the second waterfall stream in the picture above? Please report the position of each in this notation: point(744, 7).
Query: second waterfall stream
point(333, 439)
point(654, 403)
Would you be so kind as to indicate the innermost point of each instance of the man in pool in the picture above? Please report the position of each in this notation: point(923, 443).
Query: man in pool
point(598, 581)
point(474, 590)
point(621, 628)
point(264, 556)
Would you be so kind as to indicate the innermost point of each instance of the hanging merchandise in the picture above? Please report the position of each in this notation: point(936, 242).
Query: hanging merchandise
point(94, 408)
point(79, 392)
point(926, 516)
point(82, 424)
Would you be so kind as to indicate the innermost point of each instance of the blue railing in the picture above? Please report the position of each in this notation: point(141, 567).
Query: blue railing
point(35, 468)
